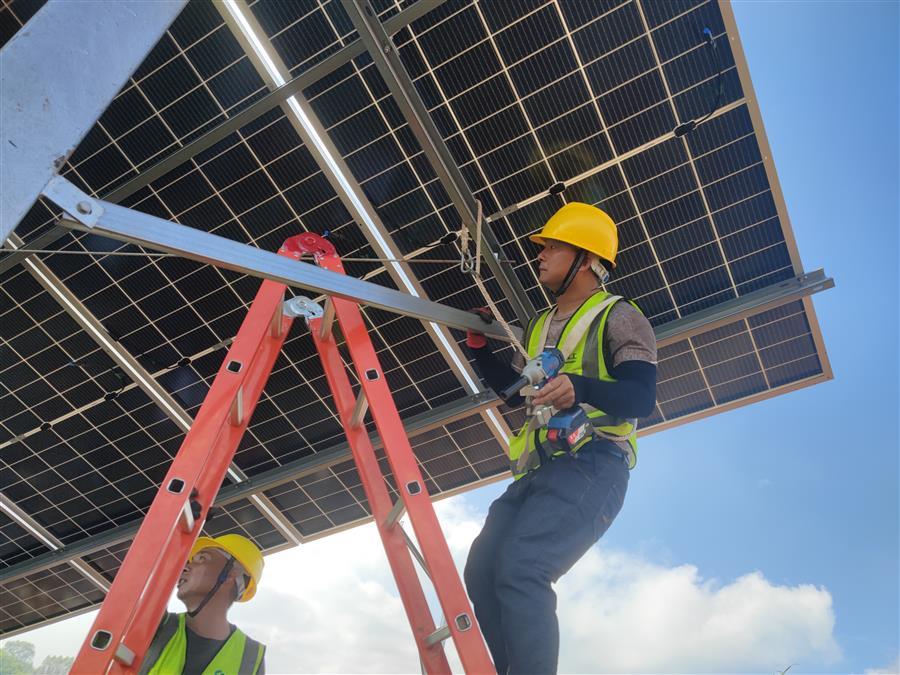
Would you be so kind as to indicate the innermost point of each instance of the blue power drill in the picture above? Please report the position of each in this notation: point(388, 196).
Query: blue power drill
point(565, 428)
point(536, 372)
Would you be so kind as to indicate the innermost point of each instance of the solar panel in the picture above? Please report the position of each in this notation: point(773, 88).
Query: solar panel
point(43, 596)
point(538, 103)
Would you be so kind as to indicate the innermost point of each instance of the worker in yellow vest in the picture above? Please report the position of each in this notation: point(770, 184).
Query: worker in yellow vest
point(571, 458)
point(219, 572)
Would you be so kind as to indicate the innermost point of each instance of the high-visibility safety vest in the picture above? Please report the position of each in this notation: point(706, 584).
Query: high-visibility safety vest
point(581, 343)
point(238, 656)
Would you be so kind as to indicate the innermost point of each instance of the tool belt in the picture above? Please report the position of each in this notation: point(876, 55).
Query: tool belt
point(538, 452)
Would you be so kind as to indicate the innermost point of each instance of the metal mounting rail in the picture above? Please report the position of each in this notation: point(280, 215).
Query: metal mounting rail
point(118, 222)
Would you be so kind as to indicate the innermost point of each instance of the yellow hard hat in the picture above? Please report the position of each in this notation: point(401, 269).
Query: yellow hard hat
point(243, 551)
point(583, 226)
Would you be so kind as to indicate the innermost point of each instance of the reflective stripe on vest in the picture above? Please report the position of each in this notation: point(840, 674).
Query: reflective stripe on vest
point(582, 336)
point(238, 656)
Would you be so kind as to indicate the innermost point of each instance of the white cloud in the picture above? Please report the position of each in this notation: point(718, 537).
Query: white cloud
point(892, 669)
point(618, 612)
point(331, 606)
point(621, 613)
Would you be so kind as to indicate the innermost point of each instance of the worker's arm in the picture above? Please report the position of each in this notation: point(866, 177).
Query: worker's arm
point(632, 395)
point(495, 373)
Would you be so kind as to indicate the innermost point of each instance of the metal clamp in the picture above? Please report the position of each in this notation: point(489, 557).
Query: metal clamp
point(303, 306)
point(78, 205)
point(466, 262)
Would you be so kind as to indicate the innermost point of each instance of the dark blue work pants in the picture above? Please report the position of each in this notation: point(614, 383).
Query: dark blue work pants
point(533, 534)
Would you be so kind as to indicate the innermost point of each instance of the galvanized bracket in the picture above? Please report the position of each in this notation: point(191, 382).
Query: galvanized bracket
point(77, 204)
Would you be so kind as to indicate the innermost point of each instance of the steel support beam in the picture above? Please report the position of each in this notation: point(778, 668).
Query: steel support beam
point(126, 225)
point(274, 98)
point(56, 82)
point(384, 53)
point(139, 375)
point(681, 329)
point(742, 307)
point(118, 222)
point(46, 537)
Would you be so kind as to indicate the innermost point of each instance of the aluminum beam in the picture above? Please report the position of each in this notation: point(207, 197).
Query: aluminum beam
point(57, 80)
point(118, 222)
point(742, 307)
point(674, 331)
point(126, 225)
point(46, 537)
point(274, 98)
point(384, 53)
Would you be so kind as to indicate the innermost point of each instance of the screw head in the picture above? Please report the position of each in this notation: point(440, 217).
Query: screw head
point(84, 207)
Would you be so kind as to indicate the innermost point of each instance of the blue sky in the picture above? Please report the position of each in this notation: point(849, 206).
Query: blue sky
point(827, 81)
point(802, 488)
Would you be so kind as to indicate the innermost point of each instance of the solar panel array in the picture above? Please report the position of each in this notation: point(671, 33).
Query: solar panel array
point(526, 95)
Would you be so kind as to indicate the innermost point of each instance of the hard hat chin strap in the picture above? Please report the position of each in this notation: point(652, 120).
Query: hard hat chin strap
point(599, 269)
point(223, 577)
point(573, 270)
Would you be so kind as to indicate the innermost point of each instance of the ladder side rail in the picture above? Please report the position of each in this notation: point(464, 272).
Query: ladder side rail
point(210, 480)
point(449, 589)
point(447, 584)
point(434, 659)
point(143, 584)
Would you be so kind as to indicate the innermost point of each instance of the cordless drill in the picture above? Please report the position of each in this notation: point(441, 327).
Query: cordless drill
point(565, 428)
point(537, 372)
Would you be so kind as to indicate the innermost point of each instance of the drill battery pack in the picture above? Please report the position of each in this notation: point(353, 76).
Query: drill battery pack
point(567, 428)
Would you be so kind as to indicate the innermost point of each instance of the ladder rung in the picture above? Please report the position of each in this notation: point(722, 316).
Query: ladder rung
point(124, 654)
point(439, 635)
point(277, 325)
point(396, 512)
point(463, 623)
point(237, 409)
point(327, 319)
point(359, 410)
point(186, 520)
point(416, 553)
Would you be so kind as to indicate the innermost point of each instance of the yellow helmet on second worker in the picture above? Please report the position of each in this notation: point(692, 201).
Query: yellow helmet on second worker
point(583, 226)
point(243, 551)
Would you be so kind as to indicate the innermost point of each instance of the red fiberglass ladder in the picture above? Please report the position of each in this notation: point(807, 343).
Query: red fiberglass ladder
point(129, 616)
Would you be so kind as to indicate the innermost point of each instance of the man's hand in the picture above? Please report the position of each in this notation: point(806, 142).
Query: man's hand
point(474, 339)
point(558, 392)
